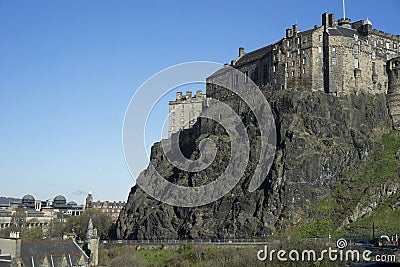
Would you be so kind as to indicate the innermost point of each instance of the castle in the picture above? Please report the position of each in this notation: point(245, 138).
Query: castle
point(337, 57)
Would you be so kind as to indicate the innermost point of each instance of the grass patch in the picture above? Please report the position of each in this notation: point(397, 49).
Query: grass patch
point(156, 257)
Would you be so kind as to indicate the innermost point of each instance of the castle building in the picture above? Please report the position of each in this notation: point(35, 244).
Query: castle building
point(184, 111)
point(337, 57)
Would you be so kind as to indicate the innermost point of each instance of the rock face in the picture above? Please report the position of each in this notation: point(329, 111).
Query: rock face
point(318, 137)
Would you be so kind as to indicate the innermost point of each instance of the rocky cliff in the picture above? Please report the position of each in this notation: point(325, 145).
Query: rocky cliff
point(320, 139)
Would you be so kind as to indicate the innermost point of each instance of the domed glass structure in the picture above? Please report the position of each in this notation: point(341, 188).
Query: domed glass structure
point(59, 201)
point(28, 201)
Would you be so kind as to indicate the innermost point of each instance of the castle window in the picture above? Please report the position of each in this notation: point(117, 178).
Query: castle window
point(334, 61)
point(317, 59)
point(293, 63)
point(265, 71)
point(292, 73)
point(298, 51)
point(356, 49)
point(394, 46)
point(319, 49)
point(286, 64)
point(356, 37)
point(304, 61)
point(298, 40)
point(373, 67)
point(288, 53)
point(356, 63)
point(375, 43)
point(275, 68)
point(288, 43)
point(287, 74)
point(387, 57)
point(255, 75)
point(373, 54)
point(246, 77)
point(334, 51)
point(304, 70)
point(387, 46)
point(320, 38)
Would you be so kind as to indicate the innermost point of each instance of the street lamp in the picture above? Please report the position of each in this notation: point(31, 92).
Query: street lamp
point(234, 218)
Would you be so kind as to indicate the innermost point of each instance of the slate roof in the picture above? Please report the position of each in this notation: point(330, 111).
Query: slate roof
point(47, 250)
point(341, 31)
point(254, 55)
point(5, 260)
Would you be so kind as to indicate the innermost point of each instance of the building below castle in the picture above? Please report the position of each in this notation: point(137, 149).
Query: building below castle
point(184, 111)
point(110, 208)
point(337, 57)
point(38, 212)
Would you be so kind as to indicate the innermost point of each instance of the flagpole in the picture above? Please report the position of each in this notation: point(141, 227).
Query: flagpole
point(344, 10)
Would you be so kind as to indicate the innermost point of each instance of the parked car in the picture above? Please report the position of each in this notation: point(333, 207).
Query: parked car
point(363, 244)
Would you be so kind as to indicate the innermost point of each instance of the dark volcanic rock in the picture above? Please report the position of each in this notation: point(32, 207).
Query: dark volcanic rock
point(318, 137)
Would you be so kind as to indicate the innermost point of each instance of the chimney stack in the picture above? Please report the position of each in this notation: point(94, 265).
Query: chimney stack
point(241, 51)
point(178, 96)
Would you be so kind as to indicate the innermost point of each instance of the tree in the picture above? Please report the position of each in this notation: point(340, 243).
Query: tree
point(34, 233)
point(79, 224)
point(18, 220)
point(55, 228)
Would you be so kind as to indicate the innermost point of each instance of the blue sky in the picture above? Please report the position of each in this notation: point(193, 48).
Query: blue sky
point(69, 68)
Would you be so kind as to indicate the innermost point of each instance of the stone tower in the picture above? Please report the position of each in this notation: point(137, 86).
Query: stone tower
point(393, 95)
point(89, 200)
point(91, 246)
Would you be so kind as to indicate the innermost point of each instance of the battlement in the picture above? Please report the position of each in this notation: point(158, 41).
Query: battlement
point(180, 98)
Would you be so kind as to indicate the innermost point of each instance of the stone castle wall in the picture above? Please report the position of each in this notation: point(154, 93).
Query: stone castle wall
point(393, 96)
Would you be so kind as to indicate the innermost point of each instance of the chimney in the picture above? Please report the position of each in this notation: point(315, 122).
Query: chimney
point(289, 33)
point(332, 22)
point(188, 95)
point(325, 20)
point(178, 96)
point(241, 51)
point(199, 93)
point(295, 29)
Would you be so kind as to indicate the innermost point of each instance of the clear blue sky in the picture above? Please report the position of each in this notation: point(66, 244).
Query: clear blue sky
point(68, 69)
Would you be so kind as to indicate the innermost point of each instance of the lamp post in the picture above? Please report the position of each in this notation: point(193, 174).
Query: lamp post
point(234, 219)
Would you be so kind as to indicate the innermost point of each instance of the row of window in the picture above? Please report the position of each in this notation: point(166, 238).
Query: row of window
point(291, 74)
point(387, 45)
point(293, 63)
